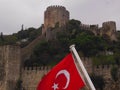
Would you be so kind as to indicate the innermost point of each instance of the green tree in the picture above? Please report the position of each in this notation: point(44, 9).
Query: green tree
point(73, 24)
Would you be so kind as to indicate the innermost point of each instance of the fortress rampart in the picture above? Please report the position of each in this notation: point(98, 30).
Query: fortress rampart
point(11, 61)
point(32, 75)
point(108, 29)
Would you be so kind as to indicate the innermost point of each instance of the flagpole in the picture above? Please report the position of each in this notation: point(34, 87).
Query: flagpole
point(72, 48)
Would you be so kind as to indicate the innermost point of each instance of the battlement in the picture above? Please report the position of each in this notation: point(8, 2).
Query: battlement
point(31, 76)
point(89, 26)
point(45, 68)
point(109, 22)
point(56, 7)
point(103, 68)
point(93, 28)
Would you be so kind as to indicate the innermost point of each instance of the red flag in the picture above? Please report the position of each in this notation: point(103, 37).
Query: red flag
point(64, 76)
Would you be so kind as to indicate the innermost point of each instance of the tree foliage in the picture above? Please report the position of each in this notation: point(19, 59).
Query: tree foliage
point(49, 53)
point(28, 34)
point(45, 53)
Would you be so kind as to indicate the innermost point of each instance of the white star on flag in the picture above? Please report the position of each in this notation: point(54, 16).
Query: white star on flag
point(55, 86)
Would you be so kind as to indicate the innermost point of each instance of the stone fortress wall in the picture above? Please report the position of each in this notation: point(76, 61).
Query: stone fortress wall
point(31, 76)
point(11, 61)
point(108, 29)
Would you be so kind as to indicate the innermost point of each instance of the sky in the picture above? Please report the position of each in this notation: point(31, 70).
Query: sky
point(30, 13)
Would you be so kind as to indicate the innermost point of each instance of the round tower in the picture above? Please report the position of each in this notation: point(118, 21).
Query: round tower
point(109, 29)
point(55, 16)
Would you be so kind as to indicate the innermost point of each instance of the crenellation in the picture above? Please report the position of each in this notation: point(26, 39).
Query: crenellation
point(104, 70)
point(108, 29)
point(109, 22)
point(32, 76)
point(35, 70)
point(55, 7)
point(89, 26)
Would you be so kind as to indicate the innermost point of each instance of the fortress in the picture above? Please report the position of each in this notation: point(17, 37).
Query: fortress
point(12, 72)
point(58, 16)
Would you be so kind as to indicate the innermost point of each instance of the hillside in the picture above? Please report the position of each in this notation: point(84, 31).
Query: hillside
point(22, 37)
point(102, 53)
point(100, 48)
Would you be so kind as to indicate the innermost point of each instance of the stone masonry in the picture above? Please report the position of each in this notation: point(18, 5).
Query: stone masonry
point(11, 61)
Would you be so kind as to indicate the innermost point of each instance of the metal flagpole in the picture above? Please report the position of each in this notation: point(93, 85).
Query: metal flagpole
point(72, 48)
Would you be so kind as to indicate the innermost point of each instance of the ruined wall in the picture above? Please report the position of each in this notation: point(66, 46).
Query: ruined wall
point(55, 15)
point(10, 57)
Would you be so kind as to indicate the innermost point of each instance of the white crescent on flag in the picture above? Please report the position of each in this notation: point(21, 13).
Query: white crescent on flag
point(67, 75)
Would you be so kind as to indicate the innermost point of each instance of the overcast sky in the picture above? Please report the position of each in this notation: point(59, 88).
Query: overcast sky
point(14, 13)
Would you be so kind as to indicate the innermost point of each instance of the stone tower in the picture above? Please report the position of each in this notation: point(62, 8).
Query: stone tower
point(55, 15)
point(109, 29)
point(10, 59)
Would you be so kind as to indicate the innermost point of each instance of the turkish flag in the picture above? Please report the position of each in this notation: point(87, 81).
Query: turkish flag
point(64, 76)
